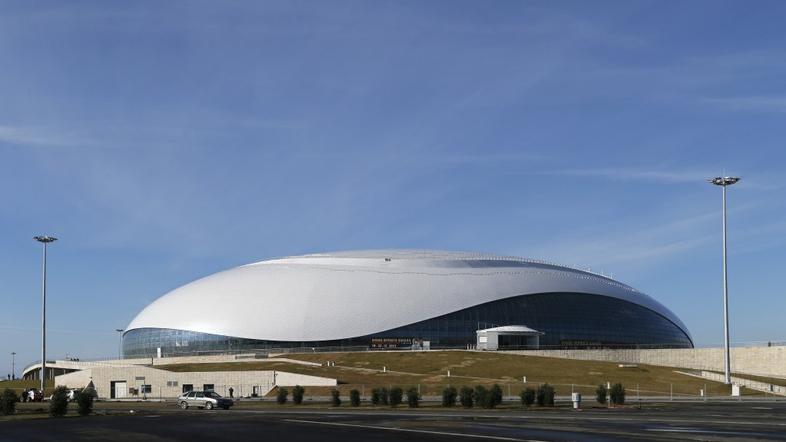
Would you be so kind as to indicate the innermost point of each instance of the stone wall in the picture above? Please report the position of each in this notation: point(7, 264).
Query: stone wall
point(761, 361)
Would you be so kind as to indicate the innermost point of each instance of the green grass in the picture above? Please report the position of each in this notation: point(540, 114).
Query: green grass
point(19, 385)
point(363, 370)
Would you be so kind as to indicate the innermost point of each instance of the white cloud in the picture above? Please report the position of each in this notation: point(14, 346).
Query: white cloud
point(638, 174)
point(38, 137)
point(755, 103)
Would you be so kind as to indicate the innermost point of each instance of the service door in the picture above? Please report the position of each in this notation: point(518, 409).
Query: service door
point(121, 389)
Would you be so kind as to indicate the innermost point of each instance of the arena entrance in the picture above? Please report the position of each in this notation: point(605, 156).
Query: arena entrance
point(508, 337)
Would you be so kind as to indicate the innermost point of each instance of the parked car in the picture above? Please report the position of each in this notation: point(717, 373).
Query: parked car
point(204, 399)
point(71, 395)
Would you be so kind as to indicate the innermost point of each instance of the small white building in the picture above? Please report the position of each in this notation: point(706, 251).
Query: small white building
point(134, 381)
point(508, 337)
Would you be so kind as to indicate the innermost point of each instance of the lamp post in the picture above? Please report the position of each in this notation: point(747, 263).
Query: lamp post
point(120, 344)
point(723, 182)
point(13, 365)
point(45, 240)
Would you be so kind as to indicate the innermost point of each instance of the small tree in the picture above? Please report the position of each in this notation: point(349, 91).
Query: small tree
point(483, 397)
point(354, 398)
point(281, 395)
point(413, 397)
point(466, 397)
point(384, 396)
point(527, 397)
point(375, 396)
point(297, 394)
point(496, 395)
point(58, 405)
point(545, 396)
point(601, 394)
point(449, 397)
point(396, 395)
point(617, 394)
point(84, 400)
point(335, 398)
point(8, 402)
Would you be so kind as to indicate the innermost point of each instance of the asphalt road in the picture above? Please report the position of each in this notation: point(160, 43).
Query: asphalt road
point(726, 421)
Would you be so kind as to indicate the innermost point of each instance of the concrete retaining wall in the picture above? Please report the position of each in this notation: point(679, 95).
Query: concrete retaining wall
point(761, 361)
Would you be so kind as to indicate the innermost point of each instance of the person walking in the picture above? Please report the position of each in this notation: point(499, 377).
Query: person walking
point(231, 392)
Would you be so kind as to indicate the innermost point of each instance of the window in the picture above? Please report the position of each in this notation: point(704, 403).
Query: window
point(199, 394)
point(187, 388)
point(147, 389)
point(208, 387)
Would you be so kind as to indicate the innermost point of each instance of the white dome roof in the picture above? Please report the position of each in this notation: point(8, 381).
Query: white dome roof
point(338, 295)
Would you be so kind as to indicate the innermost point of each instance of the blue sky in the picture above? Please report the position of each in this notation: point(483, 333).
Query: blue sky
point(164, 141)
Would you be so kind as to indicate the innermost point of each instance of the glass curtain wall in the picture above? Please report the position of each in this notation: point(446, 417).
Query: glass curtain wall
point(568, 320)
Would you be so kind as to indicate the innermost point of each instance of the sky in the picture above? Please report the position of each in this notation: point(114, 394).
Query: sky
point(165, 141)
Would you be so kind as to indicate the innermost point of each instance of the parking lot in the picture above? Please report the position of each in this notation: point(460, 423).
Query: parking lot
point(164, 422)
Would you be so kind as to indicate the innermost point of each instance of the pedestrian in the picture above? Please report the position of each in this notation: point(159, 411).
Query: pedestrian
point(231, 392)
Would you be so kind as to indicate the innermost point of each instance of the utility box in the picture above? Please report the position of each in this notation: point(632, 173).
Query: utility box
point(576, 398)
point(735, 390)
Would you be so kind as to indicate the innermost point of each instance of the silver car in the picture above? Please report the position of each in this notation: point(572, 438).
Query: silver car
point(204, 399)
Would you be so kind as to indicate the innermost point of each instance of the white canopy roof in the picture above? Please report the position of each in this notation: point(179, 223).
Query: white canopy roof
point(339, 295)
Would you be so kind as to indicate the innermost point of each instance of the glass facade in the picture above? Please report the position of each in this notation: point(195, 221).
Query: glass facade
point(568, 320)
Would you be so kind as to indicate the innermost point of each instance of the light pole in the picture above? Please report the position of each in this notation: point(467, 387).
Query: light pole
point(45, 240)
point(13, 365)
point(723, 182)
point(119, 345)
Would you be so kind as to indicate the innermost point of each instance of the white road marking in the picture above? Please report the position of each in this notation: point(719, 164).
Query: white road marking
point(697, 430)
point(535, 416)
point(409, 430)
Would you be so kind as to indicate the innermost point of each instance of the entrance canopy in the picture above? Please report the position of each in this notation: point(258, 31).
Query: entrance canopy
point(508, 337)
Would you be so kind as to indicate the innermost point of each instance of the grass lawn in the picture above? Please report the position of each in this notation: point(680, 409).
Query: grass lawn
point(19, 385)
point(363, 370)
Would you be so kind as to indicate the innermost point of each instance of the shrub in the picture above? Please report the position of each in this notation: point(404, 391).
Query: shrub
point(384, 396)
point(84, 400)
point(375, 396)
point(354, 398)
point(335, 398)
point(545, 396)
point(58, 405)
point(449, 395)
point(396, 394)
point(413, 397)
point(601, 393)
point(617, 394)
point(527, 397)
point(483, 397)
point(466, 397)
point(281, 395)
point(297, 394)
point(8, 402)
point(496, 395)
